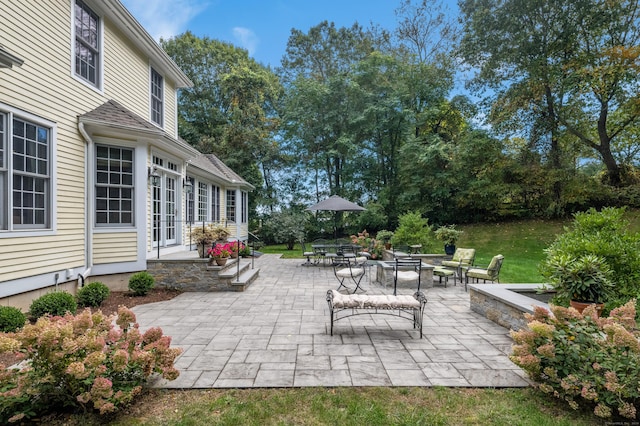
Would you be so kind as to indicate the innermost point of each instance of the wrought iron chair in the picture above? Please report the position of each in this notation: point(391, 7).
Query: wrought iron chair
point(345, 269)
point(308, 254)
point(406, 270)
point(462, 258)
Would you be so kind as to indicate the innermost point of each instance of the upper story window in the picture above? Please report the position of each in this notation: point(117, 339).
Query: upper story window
point(114, 186)
point(157, 98)
point(87, 44)
point(25, 173)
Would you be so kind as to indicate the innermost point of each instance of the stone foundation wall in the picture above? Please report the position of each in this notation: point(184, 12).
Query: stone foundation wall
point(192, 275)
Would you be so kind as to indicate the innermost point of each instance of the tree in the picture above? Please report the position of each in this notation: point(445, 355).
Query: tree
point(230, 110)
point(574, 64)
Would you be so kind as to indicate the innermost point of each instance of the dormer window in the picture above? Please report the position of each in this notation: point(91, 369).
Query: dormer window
point(157, 98)
point(87, 44)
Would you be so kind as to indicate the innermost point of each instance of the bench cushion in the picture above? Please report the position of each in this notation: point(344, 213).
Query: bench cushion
point(346, 272)
point(381, 301)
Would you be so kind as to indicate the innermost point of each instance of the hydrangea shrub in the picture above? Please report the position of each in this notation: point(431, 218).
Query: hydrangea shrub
point(84, 362)
point(582, 359)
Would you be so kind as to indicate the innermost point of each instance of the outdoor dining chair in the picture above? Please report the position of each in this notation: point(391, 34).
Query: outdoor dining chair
point(406, 270)
point(308, 254)
point(346, 269)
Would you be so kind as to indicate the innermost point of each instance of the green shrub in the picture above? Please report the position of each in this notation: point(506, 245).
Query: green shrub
point(582, 359)
point(93, 294)
point(604, 234)
point(140, 283)
point(11, 319)
point(82, 362)
point(413, 229)
point(55, 303)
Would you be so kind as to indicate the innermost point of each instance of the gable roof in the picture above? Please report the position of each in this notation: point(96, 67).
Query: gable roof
point(124, 20)
point(212, 164)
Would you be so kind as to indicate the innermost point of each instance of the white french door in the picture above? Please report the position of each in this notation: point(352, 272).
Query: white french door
point(164, 211)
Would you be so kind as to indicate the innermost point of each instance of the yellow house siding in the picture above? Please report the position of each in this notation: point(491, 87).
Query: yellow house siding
point(115, 247)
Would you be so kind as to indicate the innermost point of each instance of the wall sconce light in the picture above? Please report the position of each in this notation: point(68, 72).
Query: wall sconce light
point(154, 176)
point(187, 185)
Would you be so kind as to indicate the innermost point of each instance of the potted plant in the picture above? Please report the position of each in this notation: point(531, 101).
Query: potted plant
point(385, 237)
point(204, 236)
point(235, 247)
point(449, 235)
point(220, 253)
point(582, 281)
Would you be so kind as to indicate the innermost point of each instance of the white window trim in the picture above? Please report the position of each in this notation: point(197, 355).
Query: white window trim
point(99, 87)
point(153, 69)
point(53, 216)
point(134, 197)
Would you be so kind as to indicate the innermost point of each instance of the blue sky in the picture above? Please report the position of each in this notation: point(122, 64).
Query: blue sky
point(260, 26)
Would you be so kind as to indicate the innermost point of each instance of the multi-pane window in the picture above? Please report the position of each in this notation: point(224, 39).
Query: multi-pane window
point(203, 201)
point(215, 203)
point(157, 96)
point(243, 207)
point(28, 145)
point(114, 185)
point(231, 205)
point(190, 202)
point(87, 43)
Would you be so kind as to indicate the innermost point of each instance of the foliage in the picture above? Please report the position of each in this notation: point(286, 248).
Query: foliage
point(604, 234)
point(245, 251)
point(83, 362)
point(585, 279)
point(564, 72)
point(230, 110)
point(584, 360)
point(11, 319)
point(384, 235)
point(56, 303)
point(449, 235)
point(141, 283)
point(413, 229)
point(286, 226)
point(207, 234)
point(220, 251)
point(92, 294)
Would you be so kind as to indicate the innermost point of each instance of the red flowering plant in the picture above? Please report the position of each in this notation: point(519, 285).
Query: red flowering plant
point(86, 362)
point(236, 246)
point(220, 251)
point(583, 359)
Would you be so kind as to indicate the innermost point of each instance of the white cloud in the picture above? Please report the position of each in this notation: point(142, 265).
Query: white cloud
point(246, 39)
point(162, 18)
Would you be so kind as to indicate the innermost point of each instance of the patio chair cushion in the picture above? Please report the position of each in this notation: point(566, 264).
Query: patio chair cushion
point(346, 272)
point(407, 276)
point(461, 257)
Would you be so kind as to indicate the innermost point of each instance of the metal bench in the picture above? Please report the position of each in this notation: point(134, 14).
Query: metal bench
point(343, 306)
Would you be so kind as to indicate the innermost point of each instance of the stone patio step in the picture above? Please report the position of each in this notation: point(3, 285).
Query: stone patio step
point(245, 279)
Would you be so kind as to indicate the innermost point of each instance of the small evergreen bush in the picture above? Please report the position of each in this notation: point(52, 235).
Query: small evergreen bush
point(93, 294)
point(56, 303)
point(141, 282)
point(413, 229)
point(11, 319)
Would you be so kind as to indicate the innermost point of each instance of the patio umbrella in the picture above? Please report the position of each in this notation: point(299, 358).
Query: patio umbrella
point(336, 204)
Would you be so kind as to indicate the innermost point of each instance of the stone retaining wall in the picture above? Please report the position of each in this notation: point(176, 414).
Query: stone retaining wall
point(193, 274)
point(502, 305)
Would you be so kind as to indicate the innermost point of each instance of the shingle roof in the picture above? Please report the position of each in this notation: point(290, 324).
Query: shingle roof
point(212, 164)
point(114, 113)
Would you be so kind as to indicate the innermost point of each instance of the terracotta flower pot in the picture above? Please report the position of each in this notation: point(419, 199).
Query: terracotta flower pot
point(581, 306)
point(221, 261)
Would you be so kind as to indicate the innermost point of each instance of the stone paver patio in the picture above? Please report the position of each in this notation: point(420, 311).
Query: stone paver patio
point(275, 334)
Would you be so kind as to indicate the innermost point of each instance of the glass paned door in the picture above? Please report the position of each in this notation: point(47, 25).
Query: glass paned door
point(170, 210)
point(164, 212)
